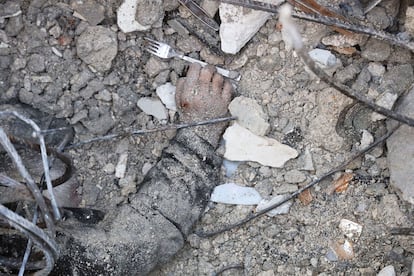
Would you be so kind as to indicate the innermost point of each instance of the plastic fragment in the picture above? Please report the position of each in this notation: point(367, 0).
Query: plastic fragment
point(231, 193)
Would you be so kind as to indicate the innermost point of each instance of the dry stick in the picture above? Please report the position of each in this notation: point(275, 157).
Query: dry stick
point(341, 167)
point(146, 131)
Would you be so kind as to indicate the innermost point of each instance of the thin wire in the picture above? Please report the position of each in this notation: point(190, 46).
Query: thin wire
point(146, 131)
point(28, 247)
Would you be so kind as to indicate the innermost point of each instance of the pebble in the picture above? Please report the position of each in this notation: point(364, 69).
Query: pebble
point(294, 176)
point(128, 185)
point(350, 229)
point(387, 271)
point(305, 161)
point(126, 17)
point(250, 115)
point(376, 50)
point(97, 46)
point(323, 57)
point(89, 10)
point(409, 20)
point(376, 70)
point(36, 63)
point(243, 145)
point(153, 107)
point(230, 167)
point(366, 139)
point(155, 66)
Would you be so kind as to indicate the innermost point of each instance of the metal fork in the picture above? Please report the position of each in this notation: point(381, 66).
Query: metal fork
point(164, 50)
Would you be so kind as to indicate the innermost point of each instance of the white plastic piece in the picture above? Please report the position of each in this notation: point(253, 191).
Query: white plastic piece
point(231, 193)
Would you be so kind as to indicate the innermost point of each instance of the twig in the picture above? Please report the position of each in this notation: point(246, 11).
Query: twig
point(341, 167)
point(296, 39)
point(146, 131)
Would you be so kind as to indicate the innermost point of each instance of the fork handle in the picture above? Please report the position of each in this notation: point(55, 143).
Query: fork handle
point(227, 73)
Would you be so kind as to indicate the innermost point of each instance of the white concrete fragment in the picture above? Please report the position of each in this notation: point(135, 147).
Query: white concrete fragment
point(250, 115)
point(282, 209)
point(166, 93)
point(323, 57)
point(350, 229)
point(243, 145)
point(386, 100)
point(120, 168)
point(230, 166)
point(153, 107)
point(126, 17)
point(366, 140)
point(231, 193)
point(239, 25)
point(387, 271)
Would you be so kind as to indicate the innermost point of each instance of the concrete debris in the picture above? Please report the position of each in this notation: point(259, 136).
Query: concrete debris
point(166, 93)
point(120, 168)
point(323, 57)
point(387, 100)
point(97, 46)
point(409, 20)
point(239, 25)
point(387, 271)
point(243, 145)
point(231, 193)
point(126, 17)
point(283, 209)
point(89, 11)
point(366, 139)
point(153, 107)
point(250, 115)
point(350, 229)
point(401, 152)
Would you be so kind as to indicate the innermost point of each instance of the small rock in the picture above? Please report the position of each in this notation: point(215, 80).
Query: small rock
point(379, 18)
point(341, 250)
point(166, 93)
point(154, 66)
point(243, 145)
point(282, 209)
point(239, 25)
point(126, 17)
point(387, 271)
point(376, 70)
point(294, 176)
point(386, 100)
point(376, 50)
point(97, 46)
point(350, 229)
point(109, 168)
point(401, 151)
point(250, 115)
point(101, 125)
point(409, 20)
point(120, 168)
point(128, 185)
point(89, 11)
point(146, 168)
point(230, 166)
point(339, 40)
point(323, 57)
point(366, 140)
point(36, 63)
point(150, 12)
point(153, 107)
point(104, 95)
point(305, 161)
point(231, 193)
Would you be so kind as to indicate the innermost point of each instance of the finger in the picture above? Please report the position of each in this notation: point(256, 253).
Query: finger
point(207, 73)
point(227, 91)
point(217, 83)
point(179, 91)
point(193, 73)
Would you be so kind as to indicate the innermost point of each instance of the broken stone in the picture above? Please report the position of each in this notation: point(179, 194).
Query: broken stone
point(409, 20)
point(387, 271)
point(376, 50)
point(153, 107)
point(239, 25)
point(294, 176)
point(282, 209)
point(350, 229)
point(305, 161)
point(366, 139)
point(401, 151)
point(250, 115)
point(126, 17)
point(97, 46)
point(243, 145)
point(323, 57)
point(231, 193)
point(121, 166)
point(386, 100)
point(89, 11)
point(166, 93)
